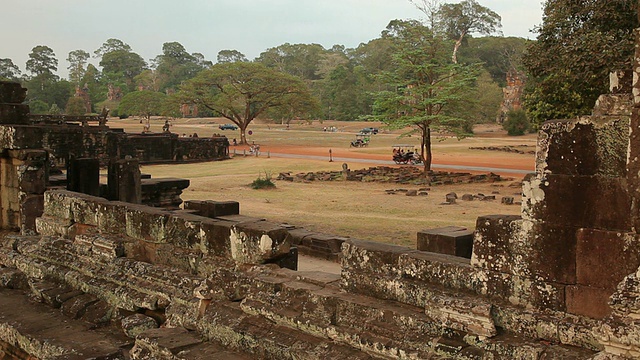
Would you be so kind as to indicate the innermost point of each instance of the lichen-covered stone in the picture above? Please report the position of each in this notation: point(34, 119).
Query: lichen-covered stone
point(136, 324)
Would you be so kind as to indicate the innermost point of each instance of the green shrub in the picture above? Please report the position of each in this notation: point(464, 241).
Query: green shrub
point(263, 182)
point(517, 123)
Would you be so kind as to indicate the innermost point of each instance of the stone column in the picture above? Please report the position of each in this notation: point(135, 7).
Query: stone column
point(83, 176)
point(124, 181)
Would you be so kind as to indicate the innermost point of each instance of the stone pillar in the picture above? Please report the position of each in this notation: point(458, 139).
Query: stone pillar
point(633, 160)
point(83, 176)
point(23, 182)
point(124, 181)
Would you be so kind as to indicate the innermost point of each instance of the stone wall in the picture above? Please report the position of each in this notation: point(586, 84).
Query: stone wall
point(219, 278)
point(167, 147)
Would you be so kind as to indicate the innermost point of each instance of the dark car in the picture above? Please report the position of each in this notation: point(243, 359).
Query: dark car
point(227, 127)
point(369, 130)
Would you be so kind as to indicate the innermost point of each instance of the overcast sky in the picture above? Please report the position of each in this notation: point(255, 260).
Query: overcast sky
point(208, 26)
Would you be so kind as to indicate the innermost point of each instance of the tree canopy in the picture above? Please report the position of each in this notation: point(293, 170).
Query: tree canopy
point(241, 92)
point(143, 103)
point(423, 84)
point(9, 70)
point(579, 43)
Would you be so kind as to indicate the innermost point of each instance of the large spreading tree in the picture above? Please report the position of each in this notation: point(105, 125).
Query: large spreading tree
point(424, 85)
point(579, 43)
point(144, 103)
point(243, 91)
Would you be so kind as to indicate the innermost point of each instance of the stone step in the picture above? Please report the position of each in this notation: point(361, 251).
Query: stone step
point(178, 343)
point(45, 333)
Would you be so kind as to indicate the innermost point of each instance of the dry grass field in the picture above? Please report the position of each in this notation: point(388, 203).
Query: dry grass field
point(353, 209)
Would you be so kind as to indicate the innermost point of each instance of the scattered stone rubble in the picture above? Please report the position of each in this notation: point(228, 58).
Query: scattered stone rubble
point(388, 174)
point(509, 148)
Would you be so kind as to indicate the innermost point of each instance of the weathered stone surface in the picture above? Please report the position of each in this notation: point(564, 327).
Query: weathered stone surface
point(450, 240)
point(578, 205)
point(77, 306)
point(136, 324)
point(510, 245)
point(460, 313)
point(604, 258)
point(146, 223)
point(588, 301)
point(46, 334)
point(216, 235)
point(124, 181)
point(258, 242)
point(83, 176)
point(12, 92)
point(598, 146)
point(213, 209)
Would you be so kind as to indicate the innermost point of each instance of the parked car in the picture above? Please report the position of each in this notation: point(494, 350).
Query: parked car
point(369, 130)
point(227, 127)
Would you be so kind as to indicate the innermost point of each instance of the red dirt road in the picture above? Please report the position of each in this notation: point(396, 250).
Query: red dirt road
point(504, 164)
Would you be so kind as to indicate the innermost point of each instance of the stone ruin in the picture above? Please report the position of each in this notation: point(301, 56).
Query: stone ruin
point(114, 279)
point(511, 95)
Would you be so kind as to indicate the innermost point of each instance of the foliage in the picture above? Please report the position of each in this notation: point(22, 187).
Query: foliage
point(9, 70)
point(301, 60)
point(243, 91)
point(345, 95)
point(77, 61)
point(38, 107)
point(112, 45)
point(517, 123)
point(499, 55)
point(424, 84)
point(55, 110)
point(49, 90)
point(458, 21)
point(42, 61)
point(175, 65)
point(265, 182)
point(143, 103)
point(479, 105)
point(75, 106)
point(579, 43)
point(225, 56)
point(124, 64)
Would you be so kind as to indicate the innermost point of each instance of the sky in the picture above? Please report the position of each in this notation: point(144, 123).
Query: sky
point(208, 26)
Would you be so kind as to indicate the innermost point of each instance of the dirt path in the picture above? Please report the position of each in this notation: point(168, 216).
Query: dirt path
point(498, 163)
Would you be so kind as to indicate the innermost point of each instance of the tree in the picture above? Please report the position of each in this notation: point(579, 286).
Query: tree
point(42, 61)
point(176, 65)
point(300, 60)
point(499, 55)
point(75, 106)
point(77, 60)
point(460, 20)
point(423, 85)
point(226, 56)
point(126, 63)
point(143, 103)
point(8, 70)
point(457, 21)
point(579, 43)
point(41, 64)
point(243, 91)
point(112, 45)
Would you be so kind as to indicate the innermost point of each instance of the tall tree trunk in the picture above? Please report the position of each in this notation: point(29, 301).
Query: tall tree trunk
point(454, 57)
point(428, 157)
point(243, 134)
